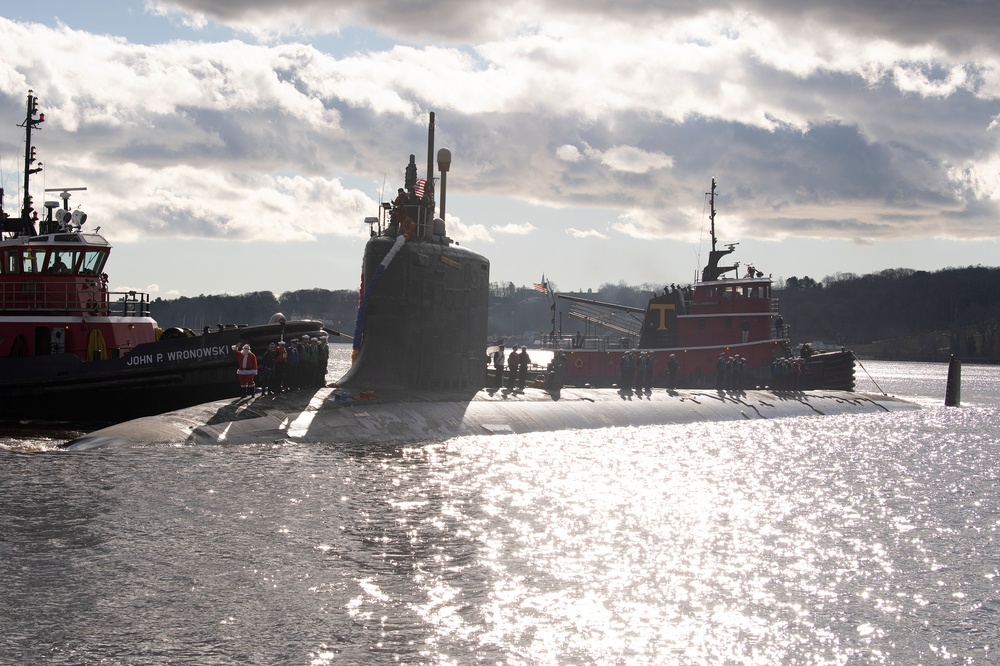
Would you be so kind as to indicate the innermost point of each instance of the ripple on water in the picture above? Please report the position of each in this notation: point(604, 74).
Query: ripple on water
point(830, 540)
point(749, 542)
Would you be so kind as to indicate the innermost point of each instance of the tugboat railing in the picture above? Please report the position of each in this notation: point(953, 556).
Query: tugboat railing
point(128, 304)
point(590, 342)
point(50, 298)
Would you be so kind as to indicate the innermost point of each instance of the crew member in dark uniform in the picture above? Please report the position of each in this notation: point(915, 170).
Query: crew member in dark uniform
point(522, 367)
point(498, 364)
point(512, 368)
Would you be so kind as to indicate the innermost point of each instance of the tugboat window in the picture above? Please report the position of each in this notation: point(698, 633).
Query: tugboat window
point(11, 263)
point(29, 262)
point(62, 262)
point(93, 262)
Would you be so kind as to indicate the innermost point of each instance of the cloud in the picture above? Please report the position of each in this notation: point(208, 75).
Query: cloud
point(569, 153)
point(187, 202)
point(827, 121)
point(585, 233)
point(635, 160)
point(468, 233)
point(521, 229)
point(646, 225)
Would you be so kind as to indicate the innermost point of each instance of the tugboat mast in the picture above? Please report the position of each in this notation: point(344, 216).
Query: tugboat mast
point(713, 271)
point(29, 152)
point(25, 224)
point(711, 214)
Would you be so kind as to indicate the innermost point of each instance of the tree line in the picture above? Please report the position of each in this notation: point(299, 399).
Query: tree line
point(896, 313)
point(337, 309)
point(901, 313)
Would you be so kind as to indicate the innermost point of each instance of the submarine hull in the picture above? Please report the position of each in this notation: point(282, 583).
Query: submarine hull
point(323, 417)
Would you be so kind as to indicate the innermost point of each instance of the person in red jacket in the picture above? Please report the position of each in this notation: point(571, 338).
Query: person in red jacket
point(280, 364)
point(246, 369)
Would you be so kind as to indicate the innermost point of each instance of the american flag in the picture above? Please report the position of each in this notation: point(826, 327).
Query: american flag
point(418, 188)
point(541, 287)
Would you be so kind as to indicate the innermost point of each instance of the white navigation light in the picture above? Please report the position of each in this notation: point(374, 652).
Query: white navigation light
point(79, 217)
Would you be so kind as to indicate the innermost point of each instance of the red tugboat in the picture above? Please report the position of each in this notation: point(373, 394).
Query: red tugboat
point(723, 331)
point(72, 350)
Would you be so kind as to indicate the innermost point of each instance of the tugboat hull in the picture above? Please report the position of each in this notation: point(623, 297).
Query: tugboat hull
point(722, 332)
point(73, 350)
point(154, 377)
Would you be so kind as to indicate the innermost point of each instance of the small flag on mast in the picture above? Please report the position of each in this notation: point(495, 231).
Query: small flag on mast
point(543, 286)
point(418, 189)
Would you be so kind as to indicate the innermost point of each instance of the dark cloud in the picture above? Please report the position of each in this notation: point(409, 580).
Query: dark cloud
point(452, 20)
point(960, 26)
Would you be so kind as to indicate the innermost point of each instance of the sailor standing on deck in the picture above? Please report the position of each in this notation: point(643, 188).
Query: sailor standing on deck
point(292, 371)
point(280, 365)
point(498, 364)
point(246, 369)
point(627, 368)
point(512, 361)
point(266, 363)
point(638, 370)
point(672, 368)
point(323, 350)
point(650, 368)
point(308, 359)
point(522, 367)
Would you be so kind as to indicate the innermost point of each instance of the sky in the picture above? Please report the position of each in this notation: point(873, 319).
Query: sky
point(231, 147)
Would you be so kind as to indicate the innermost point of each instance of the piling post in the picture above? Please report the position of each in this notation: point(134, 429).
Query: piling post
point(953, 391)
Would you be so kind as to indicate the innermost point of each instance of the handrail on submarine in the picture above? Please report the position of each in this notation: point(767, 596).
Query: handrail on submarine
point(337, 333)
point(613, 306)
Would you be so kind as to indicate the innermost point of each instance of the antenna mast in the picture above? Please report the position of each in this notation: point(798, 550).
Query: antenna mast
point(711, 213)
point(29, 152)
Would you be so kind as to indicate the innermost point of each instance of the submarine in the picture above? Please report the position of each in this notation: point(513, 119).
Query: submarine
point(419, 367)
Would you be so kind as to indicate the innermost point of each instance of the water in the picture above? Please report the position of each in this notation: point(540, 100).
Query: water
point(829, 540)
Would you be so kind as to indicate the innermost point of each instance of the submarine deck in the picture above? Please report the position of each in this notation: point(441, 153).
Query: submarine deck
point(409, 416)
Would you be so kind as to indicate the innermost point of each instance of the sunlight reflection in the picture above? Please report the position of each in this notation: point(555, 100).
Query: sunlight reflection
point(715, 543)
